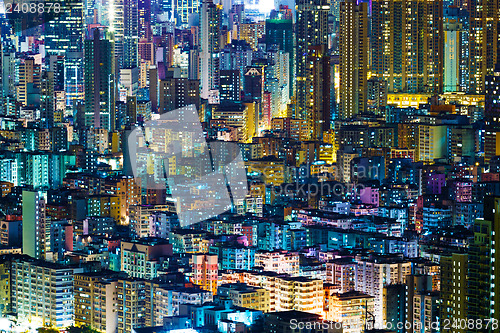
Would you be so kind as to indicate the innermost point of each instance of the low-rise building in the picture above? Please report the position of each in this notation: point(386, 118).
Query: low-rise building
point(42, 292)
point(143, 258)
point(246, 296)
point(375, 272)
point(205, 271)
point(95, 301)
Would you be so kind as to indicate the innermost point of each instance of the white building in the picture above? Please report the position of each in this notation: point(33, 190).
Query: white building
point(167, 301)
point(377, 271)
point(34, 233)
point(42, 292)
point(278, 261)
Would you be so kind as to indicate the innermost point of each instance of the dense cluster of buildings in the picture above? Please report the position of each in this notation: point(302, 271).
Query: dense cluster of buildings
point(370, 136)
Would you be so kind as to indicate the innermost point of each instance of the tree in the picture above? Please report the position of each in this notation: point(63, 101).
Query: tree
point(81, 329)
point(47, 330)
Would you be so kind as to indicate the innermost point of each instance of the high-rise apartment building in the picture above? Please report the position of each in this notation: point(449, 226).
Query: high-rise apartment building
point(229, 86)
point(318, 91)
point(277, 84)
point(298, 293)
point(252, 32)
point(290, 128)
point(246, 296)
point(237, 56)
point(95, 301)
point(64, 36)
point(64, 33)
point(394, 306)
point(56, 65)
point(424, 46)
point(143, 258)
point(114, 19)
point(7, 79)
point(47, 102)
point(387, 52)
point(99, 82)
point(483, 42)
point(353, 58)
point(425, 312)
point(431, 142)
point(210, 26)
point(131, 303)
point(165, 301)
point(492, 115)
point(351, 309)
point(29, 80)
point(341, 273)
point(483, 263)
point(183, 9)
point(376, 96)
point(144, 18)
point(139, 217)
point(452, 48)
point(421, 303)
point(281, 262)
point(311, 29)
point(459, 18)
point(130, 34)
point(492, 98)
point(6, 286)
point(73, 78)
point(407, 44)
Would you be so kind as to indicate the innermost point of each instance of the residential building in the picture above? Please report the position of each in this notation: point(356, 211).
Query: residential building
point(375, 272)
point(353, 58)
point(246, 296)
point(42, 292)
point(205, 271)
point(143, 258)
point(95, 301)
point(278, 261)
point(351, 309)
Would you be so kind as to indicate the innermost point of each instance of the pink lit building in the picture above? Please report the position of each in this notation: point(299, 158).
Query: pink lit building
point(370, 196)
point(205, 271)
